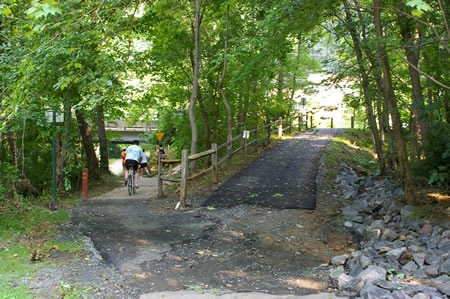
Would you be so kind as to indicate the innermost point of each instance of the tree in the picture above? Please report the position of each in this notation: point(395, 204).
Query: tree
point(393, 108)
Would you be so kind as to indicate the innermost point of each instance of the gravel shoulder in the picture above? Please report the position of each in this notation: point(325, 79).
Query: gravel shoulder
point(139, 245)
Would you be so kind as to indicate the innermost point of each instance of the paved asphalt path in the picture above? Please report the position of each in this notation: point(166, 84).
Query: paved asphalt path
point(136, 239)
point(283, 178)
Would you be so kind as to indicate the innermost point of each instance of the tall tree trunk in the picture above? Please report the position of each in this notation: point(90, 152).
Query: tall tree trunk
point(104, 157)
point(12, 142)
point(280, 85)
point(380, 116)
point(222, 93)
point(394, 162)
point(392, 102)
point(418, 106)
point(195, 86)
point(413, 142)
point(365, 85)
point(88, 145)
point(430, 106)
point(244, 108)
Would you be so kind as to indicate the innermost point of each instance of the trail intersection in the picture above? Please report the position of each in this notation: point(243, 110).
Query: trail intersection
point(247, 235)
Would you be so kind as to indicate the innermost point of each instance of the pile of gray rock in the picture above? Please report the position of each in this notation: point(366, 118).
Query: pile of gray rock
point(400, 255)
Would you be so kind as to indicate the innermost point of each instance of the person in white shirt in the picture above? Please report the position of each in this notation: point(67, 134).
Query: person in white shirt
point(144, 164)
point(133, 159)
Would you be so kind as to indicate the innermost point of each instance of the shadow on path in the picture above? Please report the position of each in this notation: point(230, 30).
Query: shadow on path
point(282, 178)
point(232, 247)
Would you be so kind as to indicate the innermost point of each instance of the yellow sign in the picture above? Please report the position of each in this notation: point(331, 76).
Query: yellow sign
point(159, 136)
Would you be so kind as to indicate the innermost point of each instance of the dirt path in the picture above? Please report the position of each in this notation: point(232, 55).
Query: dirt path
point(222, 249)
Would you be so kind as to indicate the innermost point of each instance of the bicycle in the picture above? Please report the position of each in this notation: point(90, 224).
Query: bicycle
point(131, 186)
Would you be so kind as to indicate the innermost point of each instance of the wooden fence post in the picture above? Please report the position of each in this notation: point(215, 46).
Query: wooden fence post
point(332, 123)
point(311, 121)
point(215, 169)
point(160, 173)
point(300, 120)
point(280, 127)
point(269, 133)
point(353, 123)
point(184, 176)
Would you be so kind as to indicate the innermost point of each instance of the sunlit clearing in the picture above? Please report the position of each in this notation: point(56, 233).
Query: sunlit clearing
point(307, 284)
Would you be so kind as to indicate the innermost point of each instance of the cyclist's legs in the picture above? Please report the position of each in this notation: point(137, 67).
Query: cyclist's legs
point(128, 165)
point(135, 165)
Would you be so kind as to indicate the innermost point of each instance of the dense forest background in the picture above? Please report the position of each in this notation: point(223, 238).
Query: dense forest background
point(209, 69)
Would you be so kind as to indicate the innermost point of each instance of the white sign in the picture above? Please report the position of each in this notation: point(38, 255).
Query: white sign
point(59, 116)
point(246, 134)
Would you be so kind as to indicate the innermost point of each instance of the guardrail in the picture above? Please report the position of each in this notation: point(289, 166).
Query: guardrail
point(270, 128)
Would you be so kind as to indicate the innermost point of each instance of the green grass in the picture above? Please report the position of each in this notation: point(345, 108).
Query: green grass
point(353, 147)
point(21, 233)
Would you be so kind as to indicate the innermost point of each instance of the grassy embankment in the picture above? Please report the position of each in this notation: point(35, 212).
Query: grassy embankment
point(29, 235)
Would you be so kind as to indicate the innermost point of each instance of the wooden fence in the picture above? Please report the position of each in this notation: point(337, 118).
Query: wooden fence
point(257, 135)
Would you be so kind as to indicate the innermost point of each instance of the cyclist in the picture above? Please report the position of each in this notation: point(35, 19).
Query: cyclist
point(144, 163)
point(124, 160)
point(133, 159)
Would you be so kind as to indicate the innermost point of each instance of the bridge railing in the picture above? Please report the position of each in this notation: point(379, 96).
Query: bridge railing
point(251, 138)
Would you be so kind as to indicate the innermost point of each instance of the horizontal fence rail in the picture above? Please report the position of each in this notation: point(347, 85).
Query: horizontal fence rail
point(278, 126)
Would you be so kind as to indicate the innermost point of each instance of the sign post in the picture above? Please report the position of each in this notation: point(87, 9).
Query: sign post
point(85, 183)
point(54, 117)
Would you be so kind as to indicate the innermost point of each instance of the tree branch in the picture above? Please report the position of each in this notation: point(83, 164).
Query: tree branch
point(421, 72)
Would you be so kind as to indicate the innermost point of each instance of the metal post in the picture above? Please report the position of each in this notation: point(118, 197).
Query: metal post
point(332, 123)
point(160, 173)
point(85, 180)
point(54, 161)
point(353, 122)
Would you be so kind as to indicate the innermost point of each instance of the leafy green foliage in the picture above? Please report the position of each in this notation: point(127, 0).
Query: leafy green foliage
point(439, 176)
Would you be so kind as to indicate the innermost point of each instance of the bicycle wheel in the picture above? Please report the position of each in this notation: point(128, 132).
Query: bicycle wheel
point(130, 182)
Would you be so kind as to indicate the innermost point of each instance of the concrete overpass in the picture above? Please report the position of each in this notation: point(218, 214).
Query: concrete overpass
point(127, 133)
